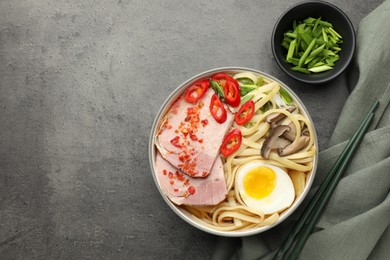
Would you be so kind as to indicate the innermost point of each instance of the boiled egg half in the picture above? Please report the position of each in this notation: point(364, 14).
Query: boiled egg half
point(265, 187)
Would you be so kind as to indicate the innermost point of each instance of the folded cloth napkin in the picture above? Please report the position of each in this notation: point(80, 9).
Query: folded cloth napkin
point(355, 223)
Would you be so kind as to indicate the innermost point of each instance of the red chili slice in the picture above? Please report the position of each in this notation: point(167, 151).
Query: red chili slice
point(232, 94)
point(197, 90)
point(221, 78)
point(217, 109)
point(231, 88)
point(245, 113)
point(231, 143)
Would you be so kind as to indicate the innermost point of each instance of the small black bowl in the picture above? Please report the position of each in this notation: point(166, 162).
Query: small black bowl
point(327, 12)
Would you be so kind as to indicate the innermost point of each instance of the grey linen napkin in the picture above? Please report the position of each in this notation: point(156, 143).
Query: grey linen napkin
point(355, 224)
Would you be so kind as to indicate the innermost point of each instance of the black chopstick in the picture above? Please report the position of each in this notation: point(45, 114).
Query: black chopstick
point(319, 200)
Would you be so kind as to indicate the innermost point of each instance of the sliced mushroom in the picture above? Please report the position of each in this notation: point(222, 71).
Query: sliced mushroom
point(290, 135)
point(301, 143)
point(274, 141)
point(276, 117)
point(283, 142)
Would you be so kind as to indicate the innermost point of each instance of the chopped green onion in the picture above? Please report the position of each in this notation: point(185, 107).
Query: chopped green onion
point(316, 24)
point(328, 53)
point(317, 51)
point(309, 20)
point(245, 89)
point(285, 96)
point(294, 61)
point(306, 53)
point(290, 52)
point(218, 89)
point(246, 98)
point(333, 59)
point(324, 35)
point(306, 37)
point(310, 44)
point(285, 45)
point(325, 23)
point(320, 68)
point(267, 106)
point(313, 62)
point(297, 68)
point(246, 80)
point(309, 59)
point(319, 64)
point(292, 35)
point(334, 32)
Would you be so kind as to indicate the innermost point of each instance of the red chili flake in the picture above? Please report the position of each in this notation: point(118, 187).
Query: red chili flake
point(204, 174)
point(165, 172)
point(186, 182)
point(200, 140)
point(193, 137)
point(170, 175)
point(188, 159)
point(171, 182)
point(187, 118)
point(190, 110)
point(176, 142)
point(204, 122)
point(185, 131)
point(191, 190)
point(179, 176)
point(169, 126)
point(175, 189)
point(184, 157)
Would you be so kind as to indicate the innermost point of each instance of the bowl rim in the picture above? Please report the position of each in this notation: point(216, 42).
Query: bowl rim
point(185, 216)
point(333, 75)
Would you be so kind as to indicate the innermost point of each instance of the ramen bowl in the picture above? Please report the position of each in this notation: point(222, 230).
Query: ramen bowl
point(183, 211)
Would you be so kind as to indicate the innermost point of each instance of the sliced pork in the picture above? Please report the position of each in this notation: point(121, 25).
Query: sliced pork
point(190, 137)
point(183, 189)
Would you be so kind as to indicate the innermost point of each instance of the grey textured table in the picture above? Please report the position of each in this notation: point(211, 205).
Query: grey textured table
point(80, 84)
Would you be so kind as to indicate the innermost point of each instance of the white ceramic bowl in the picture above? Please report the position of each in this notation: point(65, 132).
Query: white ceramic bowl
point(184, 214)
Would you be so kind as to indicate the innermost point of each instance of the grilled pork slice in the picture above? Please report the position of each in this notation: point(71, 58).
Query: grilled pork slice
point(190, 137)
point(183, 189)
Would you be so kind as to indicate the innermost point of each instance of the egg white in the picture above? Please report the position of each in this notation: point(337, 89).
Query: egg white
point(281, 197)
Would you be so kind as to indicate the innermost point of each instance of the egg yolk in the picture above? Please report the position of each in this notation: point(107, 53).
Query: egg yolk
point(259, 182)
